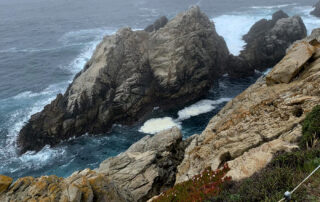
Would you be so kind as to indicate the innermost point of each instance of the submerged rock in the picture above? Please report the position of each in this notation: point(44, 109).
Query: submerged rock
point(261, 121)
point(316, 10)
point(147, 168)
point(129, 74)
point(267, 41)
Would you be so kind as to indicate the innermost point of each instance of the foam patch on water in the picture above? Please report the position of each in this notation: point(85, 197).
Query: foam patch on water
point(156, 125)
point(201, 107)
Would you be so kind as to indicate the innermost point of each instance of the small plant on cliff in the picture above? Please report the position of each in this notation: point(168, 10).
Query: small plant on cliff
point(311, 128)
point(199, 188)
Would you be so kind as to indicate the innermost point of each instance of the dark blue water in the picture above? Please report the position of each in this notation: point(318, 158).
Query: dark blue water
point(44, 43)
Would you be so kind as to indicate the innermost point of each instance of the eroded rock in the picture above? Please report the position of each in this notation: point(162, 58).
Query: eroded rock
point(256, 124)
point(129, 74)
point(147, 168)
point(290, 66)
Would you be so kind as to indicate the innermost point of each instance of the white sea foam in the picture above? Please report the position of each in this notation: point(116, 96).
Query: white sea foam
point(156, 125)
point(201, 107)
point(273, 6)
point(309, 20)
point(29, 103)
point(232, 27)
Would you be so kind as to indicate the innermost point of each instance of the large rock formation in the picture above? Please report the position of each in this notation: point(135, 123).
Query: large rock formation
point(261, 121)
point(267, 42)
point(144, 170)
point(316, 10)
point(130, 73)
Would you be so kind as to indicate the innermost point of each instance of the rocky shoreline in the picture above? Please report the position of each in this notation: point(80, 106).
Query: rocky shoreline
point(174, 63)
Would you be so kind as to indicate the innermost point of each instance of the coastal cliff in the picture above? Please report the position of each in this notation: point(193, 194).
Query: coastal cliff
point(129, 74)
point(168, 65)
point(264, 119)
point(133, 71)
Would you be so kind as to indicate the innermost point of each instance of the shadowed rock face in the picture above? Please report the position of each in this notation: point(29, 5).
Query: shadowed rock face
point(159, 23)
point(130, 73)
point(316, 10)
point(267, 41)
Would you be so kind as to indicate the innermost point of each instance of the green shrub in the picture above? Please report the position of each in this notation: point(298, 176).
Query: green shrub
point(199, 188)
point(311, 128)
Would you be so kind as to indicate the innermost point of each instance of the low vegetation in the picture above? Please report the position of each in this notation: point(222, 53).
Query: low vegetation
point(284, 172)
point(200, 188)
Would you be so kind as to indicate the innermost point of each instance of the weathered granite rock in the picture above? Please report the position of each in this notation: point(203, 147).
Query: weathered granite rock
point(267, 42)
point(5, 182)
point(147, 168)
point(290, 66)
point(256, 124)
point(159, 23)
point(130, 73)
point(84, 186)
point(316, 10)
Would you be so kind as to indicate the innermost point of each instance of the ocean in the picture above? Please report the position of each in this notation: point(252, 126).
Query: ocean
point(44, 43)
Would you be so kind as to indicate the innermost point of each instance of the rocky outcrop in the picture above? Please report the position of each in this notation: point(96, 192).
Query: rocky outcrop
point(291, 65)
point(259, 122)
point(85, 186)
point(267, 41)
point(130, 73)
point(5, 182)
point(147, 167)
point(316, 10)
point(144, 170)
point(159, 23)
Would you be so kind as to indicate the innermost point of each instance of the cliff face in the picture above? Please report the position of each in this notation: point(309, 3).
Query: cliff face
point(262, 120)
point(130, 73)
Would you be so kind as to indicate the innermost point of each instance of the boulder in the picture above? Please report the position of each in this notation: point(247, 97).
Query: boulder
point(290, 66)
point(267, 42)
point(129, 74)
point(316, 10)
point(159, 23)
